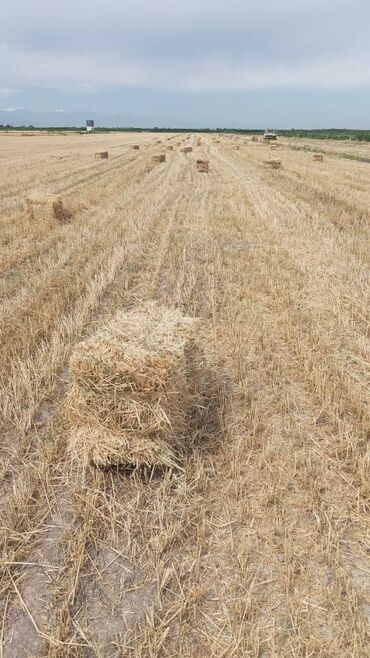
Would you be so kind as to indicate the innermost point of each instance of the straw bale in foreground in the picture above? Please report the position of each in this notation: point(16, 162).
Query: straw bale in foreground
point(273, 164)
point(46, 206)
point(159, 158)
point(203, 166)
point(132, 387)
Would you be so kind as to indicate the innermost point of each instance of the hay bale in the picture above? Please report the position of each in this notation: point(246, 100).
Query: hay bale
point(159, 158)
point(132, 387)
point(273, 164)
point(101, 155)
point(186, 149)
point(203, 166)
point(135, 147)
point(46, 206)
point(169, 148)
point(254, 138)
point(318, 157)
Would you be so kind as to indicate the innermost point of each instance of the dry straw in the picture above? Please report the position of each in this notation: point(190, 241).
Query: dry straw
point(46, 206)
point(186, 149)
point(101, 155)
point(318, 157)
point(132, 387)
point(159, 158)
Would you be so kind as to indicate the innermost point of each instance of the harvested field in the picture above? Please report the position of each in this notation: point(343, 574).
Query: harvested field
point(256, 544)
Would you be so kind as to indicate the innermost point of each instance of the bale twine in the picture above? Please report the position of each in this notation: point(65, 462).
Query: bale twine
point(203, 166)
point(273, 164)
point(133, 386)
point(318, 157)
point(159, 158)
point(186, 149)
point(101, 155)
point(46, 206)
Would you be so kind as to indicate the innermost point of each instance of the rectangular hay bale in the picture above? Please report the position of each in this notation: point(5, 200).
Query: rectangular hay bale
point(101, 155)
point(159, 158)
point(273, 164)
point(186, 149)
point(46, 206)
point(203, 166)
point(132, 385)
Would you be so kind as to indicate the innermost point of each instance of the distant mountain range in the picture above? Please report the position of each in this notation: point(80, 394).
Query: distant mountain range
point(61, 118)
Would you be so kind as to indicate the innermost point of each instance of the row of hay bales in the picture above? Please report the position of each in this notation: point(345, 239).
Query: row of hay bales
point(276, 164)
point(202, 165)
point(49, 206)
point(132, 389)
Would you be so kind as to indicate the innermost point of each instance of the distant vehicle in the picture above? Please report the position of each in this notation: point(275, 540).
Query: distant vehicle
point(269, 136)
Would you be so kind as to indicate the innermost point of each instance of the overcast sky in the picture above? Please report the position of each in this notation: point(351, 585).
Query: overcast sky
point(247, 62)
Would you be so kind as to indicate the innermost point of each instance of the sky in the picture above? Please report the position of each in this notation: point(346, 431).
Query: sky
point(237, 63)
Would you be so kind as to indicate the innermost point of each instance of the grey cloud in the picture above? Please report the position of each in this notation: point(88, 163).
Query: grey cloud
point(205, 45)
